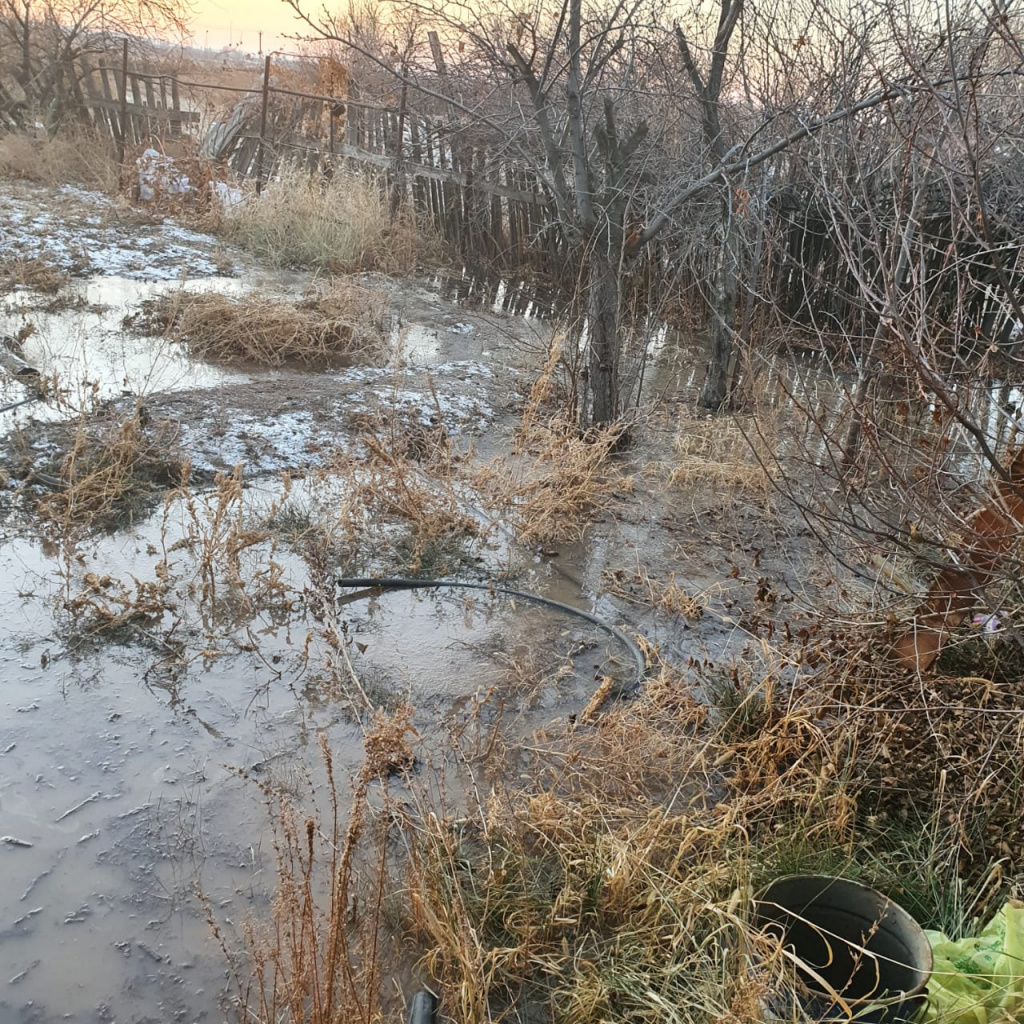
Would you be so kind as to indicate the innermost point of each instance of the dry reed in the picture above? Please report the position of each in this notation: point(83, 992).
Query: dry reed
point(74, 155)
point(557, 476)
point(343, 325)
point(341, 225)
point(34, 272)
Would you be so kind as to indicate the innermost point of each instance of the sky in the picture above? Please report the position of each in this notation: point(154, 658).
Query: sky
point(220, 23)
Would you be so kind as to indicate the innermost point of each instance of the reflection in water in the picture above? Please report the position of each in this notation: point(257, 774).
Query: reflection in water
point(119, 747)
point(81, 349)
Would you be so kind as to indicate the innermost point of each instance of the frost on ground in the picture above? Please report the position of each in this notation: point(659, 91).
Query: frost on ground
point(301, 421)
point(287, 421)
point(98, 372)
point(84, 233)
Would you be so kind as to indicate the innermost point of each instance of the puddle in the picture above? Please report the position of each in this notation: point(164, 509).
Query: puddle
point(118, 750)
point(115, 773)
point(434, 647)
point(120, 747)
point(93, 359)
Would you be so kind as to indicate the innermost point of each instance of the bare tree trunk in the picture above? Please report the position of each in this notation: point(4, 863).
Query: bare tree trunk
point(603, 326)
point(727, 278)
point(26, 55)
point(715, 392)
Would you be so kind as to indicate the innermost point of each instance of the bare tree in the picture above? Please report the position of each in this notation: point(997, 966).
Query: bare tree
point(46, 37)
point(708, 87)
point(556, 89)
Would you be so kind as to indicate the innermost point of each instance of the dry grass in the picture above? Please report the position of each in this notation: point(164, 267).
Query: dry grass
point(104, 604)
point(214, 561)
point(406, 511)
point(319, 959)
point(557, 477)
point(665, 595)
point(75, 155)
point(345, 324)
point(341, 225)
point(571, 910)
point(109, 472)
point(36, 273)
point(716, 453)
point(219, 531)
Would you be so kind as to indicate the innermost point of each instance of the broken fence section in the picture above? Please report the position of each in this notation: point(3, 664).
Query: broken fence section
point(482, 204)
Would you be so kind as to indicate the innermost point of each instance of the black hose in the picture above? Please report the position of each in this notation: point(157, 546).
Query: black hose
point(24, 401)
point(408, 583)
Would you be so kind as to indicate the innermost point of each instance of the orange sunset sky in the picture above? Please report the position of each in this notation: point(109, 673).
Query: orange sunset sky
point(219, 23)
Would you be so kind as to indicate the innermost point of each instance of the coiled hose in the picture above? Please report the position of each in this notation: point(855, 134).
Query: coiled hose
point(424, 1005)
point(408, 583)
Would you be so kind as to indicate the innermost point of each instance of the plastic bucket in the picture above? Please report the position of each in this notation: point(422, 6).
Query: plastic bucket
point(859, 955)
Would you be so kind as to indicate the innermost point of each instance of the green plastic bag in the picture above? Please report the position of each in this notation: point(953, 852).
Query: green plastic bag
point(979, 980)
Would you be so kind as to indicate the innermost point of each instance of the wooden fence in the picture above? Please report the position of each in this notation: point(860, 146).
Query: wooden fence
point(491, 209)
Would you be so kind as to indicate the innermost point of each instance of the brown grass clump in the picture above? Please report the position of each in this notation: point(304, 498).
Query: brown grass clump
point(344, 325)
point(75, 155)
point(583, 899)
point(563, 910)
point(342, 225)
point(387, 743)
point(717, 453)
point(105, 604)
point(667, 596)
point(34, 272)
point(389, 490)
point(557, 477)
point(109, 472)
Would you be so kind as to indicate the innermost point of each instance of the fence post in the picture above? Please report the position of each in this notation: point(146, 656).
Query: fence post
point(123, 133)
point(263, 126)
point(398, 174)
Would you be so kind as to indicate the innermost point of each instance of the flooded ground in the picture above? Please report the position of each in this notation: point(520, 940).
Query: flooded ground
point(159, 666)
point(119, 798)
point(142, 673)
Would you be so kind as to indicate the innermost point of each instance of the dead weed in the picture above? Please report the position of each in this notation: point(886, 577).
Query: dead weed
point(110, 471)
point(723, 456)
point(36, 273)
point(76, 155)
point(557, 477)
point(342, 325)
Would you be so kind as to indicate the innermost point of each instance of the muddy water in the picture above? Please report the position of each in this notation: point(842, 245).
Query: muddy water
point(119, 750)
point(113, 773)
point(118, 798)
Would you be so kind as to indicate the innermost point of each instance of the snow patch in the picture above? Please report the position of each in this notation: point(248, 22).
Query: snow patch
point(83, 241)
point(297, 439)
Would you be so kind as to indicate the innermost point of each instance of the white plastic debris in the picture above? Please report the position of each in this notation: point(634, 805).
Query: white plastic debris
point(226, 197)
point(158, 175)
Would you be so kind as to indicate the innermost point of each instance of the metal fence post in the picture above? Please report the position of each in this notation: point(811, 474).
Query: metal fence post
point(263, 126)
point(122, 137)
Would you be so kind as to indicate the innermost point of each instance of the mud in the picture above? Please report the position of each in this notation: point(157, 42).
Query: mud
point(121, 746)
point(130, 720)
